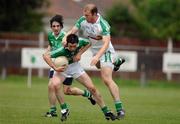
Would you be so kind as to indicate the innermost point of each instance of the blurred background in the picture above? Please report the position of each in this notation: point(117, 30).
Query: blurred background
point(145, 32)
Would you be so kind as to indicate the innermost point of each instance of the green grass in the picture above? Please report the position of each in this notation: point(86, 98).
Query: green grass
point(157, 103)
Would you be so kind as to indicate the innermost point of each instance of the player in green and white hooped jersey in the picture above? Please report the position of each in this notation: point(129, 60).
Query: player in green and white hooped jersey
point(73, 52)
point(93, 26)
point(54, 93)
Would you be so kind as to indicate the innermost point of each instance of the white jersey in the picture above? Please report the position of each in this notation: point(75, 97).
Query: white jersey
point(95, 32)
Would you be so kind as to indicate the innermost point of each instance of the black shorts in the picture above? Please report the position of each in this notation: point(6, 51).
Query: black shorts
point(68, 81)
point(51, 73)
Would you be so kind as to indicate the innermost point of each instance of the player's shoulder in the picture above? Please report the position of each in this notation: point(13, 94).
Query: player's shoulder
point(63, 32)
point(81, 39)
point(50, 33)
point(81, 19)
point(103, 22)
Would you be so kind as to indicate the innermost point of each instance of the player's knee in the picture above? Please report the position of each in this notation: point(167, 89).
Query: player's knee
point(56, 86)
point(67, 91)
point(50, 86)
point(107, 80)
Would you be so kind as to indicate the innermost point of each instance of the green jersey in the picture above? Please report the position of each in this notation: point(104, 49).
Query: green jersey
point(55, 42)
point(69, 54)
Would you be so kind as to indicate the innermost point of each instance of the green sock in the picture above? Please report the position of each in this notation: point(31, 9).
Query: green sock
point(52, 109)
point(64, 106)
point(105, 109)
point(86, 93)
point(118, 105)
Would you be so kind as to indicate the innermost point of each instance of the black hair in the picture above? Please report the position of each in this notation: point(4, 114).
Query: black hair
point(57, 18)
point(94, 10)
point(72, 38)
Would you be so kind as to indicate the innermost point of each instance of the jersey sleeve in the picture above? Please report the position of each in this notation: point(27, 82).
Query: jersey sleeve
point(83, 42)
point(63, 33)
point(57, 52)
point(49, 35)
point(105, 27)
point(79, 21)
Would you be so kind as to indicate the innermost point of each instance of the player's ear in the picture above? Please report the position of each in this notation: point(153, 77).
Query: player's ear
point(66, 45)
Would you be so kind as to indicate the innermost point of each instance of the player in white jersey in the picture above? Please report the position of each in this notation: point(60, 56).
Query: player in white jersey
point(93, 26)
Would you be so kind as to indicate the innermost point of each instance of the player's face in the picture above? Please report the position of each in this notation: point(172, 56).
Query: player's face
point(56, 28)
point(72, 47)
point(88, 15)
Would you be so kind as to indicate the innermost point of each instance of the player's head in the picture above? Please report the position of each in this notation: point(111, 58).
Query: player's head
point(72, 42)
point(56, 23)
point(90, 12)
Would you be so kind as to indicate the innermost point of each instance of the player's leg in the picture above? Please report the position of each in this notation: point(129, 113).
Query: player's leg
point(51, 97)
point(68, 90)
point(106, 74)
point(74, 70)
point(85, 80)
point(117, 63)
point(57, 82)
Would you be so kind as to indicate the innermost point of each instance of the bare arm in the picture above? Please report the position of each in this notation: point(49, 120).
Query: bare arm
point(48, 60)
point(78, 56)
point(106, 41)
point(48, 49)
point(74, 30)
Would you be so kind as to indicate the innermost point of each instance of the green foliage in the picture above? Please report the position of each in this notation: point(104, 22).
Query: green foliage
point(158, 19)
point(163, 18)
point(122, 22)
point(21, 15)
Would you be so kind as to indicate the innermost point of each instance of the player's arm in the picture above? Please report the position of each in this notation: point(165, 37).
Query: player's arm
point(106, 41)
point(81, 51)
point(84, 49)
point(74, 30)
point(48, 60)
point(48, 49)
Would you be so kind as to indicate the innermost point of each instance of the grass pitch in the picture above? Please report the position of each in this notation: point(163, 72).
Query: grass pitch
point(158, 103)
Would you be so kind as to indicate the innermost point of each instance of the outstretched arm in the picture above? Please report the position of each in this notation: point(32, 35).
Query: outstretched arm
point(74, 30)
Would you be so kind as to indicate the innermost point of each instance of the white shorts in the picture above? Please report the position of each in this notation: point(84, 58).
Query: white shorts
point(107, 59)
point(73, 70)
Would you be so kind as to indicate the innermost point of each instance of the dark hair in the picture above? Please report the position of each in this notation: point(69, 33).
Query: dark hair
point(72, 38)
point(57, 18)
point(94, 10)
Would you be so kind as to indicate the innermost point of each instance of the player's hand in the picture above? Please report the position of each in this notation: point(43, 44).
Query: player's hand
point(60, 69)
point(94, 61)
point(77, 58)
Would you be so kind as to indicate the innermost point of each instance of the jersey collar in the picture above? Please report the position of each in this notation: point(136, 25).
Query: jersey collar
point(99, 16)
point(57, 36)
